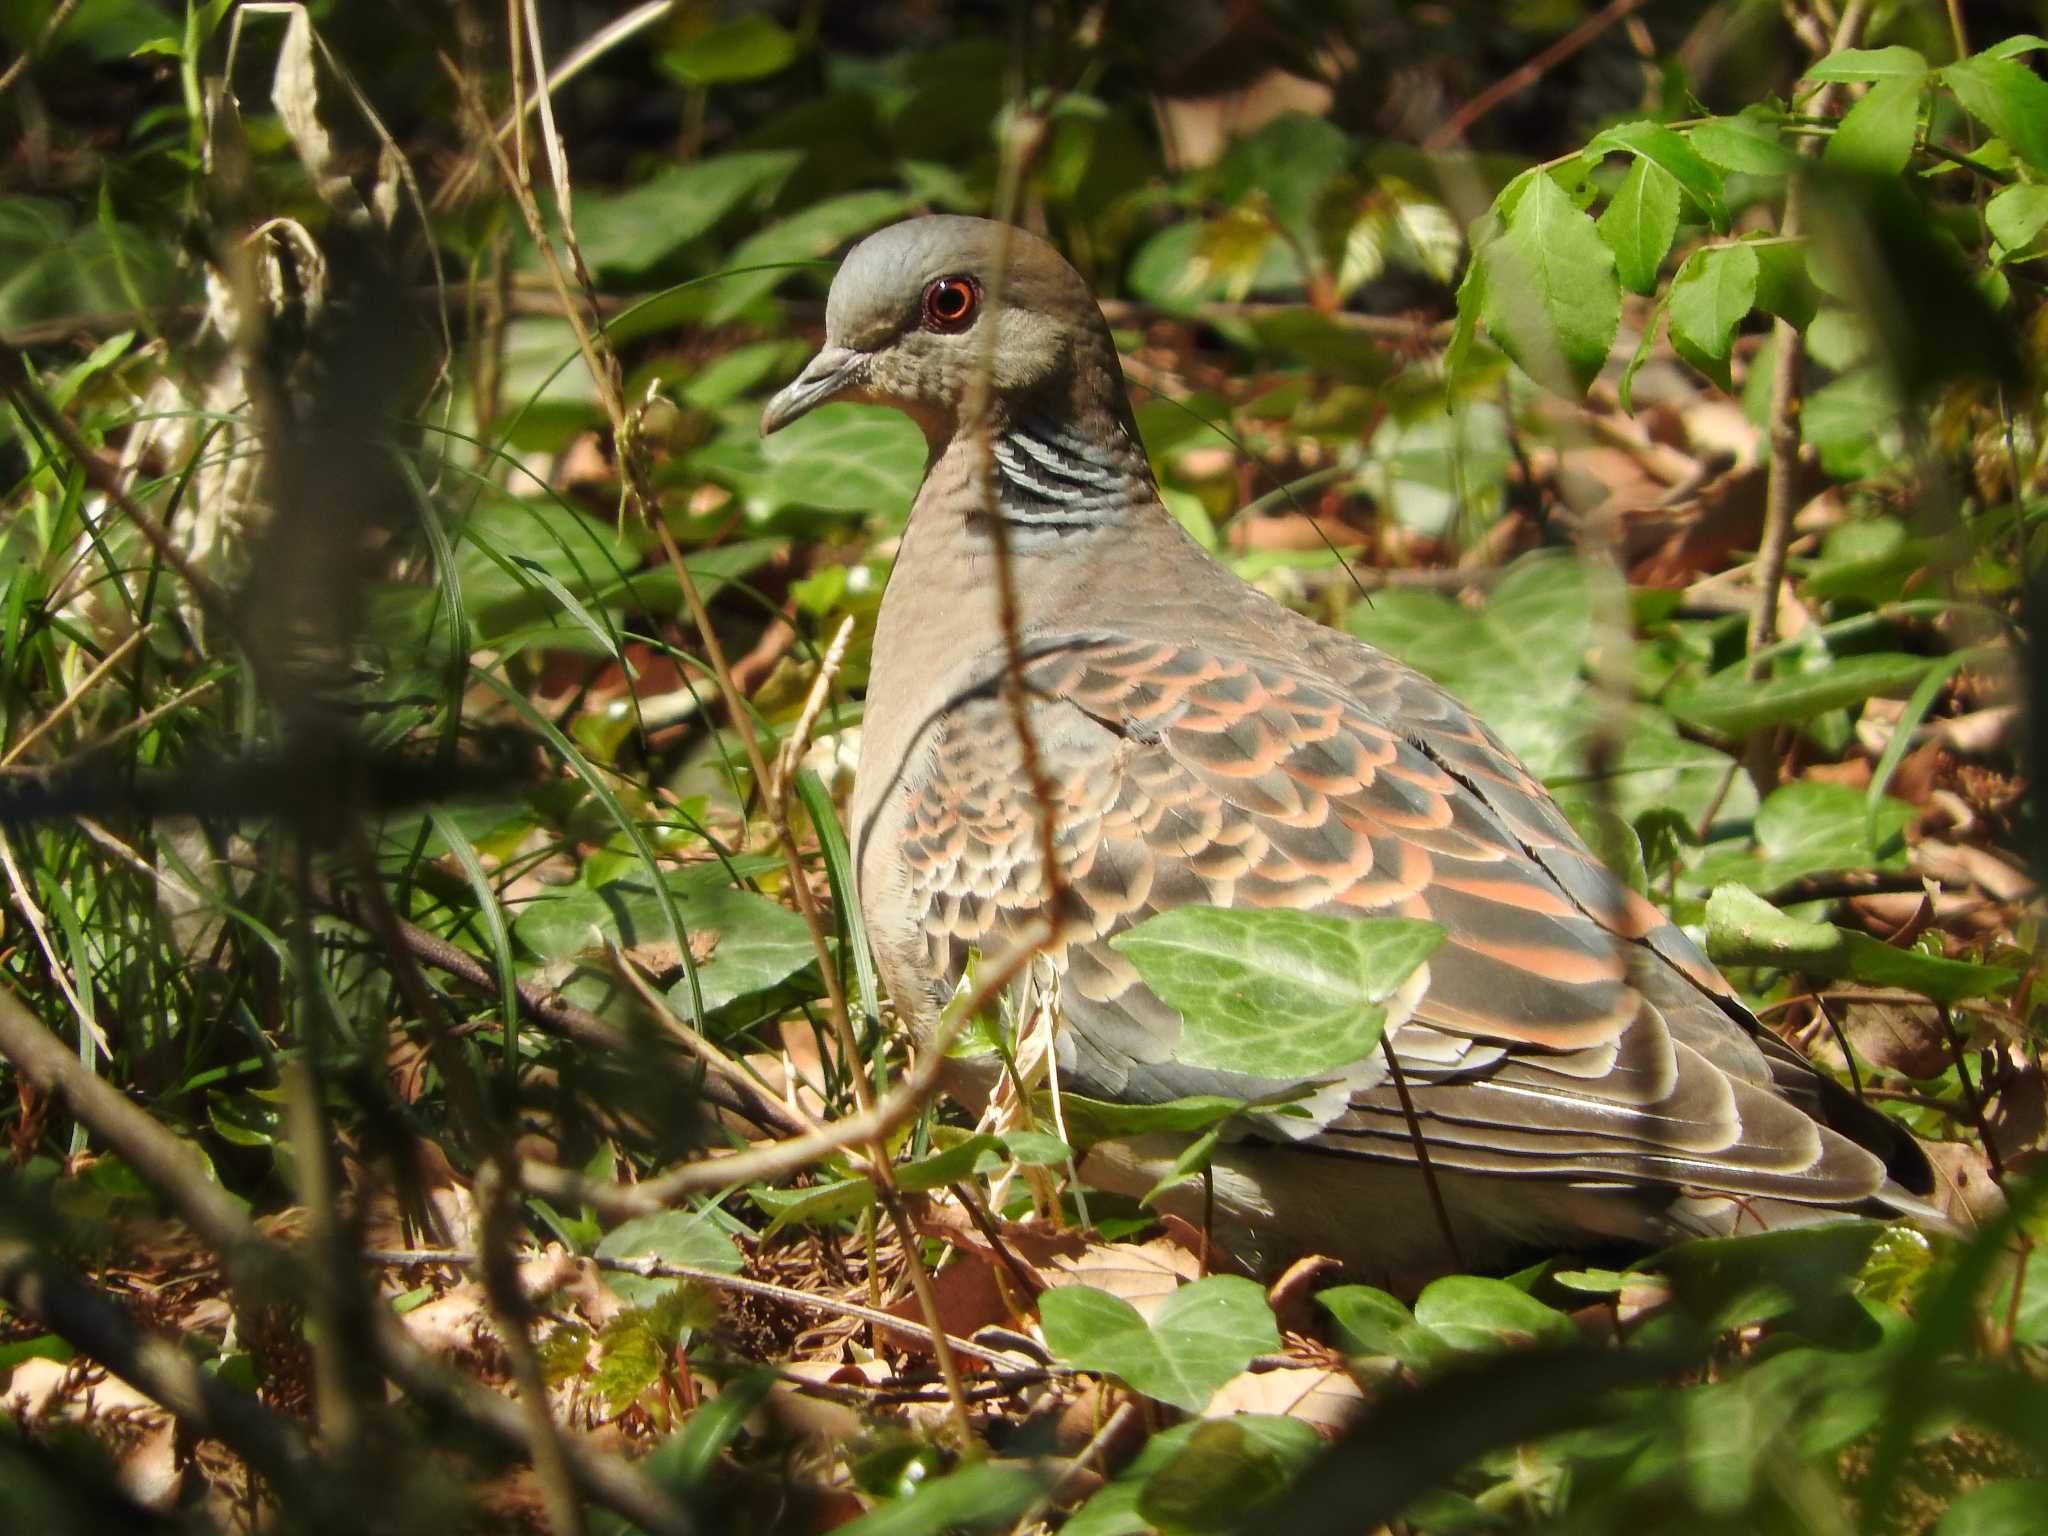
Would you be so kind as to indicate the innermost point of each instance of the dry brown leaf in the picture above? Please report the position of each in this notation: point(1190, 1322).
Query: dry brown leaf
point(1143, 1274)
point(1324, 1396)
point(968, 1297)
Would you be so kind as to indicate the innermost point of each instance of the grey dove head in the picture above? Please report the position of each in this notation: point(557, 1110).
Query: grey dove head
point(919, 308)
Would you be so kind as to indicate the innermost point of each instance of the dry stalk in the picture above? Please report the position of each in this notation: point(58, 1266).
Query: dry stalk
point(173, 1170)
point(603, 367)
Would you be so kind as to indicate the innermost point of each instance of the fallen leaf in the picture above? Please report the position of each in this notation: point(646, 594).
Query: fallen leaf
point(1322, 1395)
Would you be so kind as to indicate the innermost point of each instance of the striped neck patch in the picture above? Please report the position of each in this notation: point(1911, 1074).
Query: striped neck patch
point(1049, 477)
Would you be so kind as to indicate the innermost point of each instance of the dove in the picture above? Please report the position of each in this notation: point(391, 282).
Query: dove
point(1581, 1076)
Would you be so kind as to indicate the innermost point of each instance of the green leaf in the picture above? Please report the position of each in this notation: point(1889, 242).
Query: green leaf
point(753, 943)
point(1797, 1275)
point(626, 234)
point(1784, 287)
point(815, 1205)
point(1368, 1319)
point(1997, 1509)
point(1852, 421)
point(982, 1153)
point(1728, 702)
point(806, 236)
point(1712, 293)
point(1550, 297)
point(748, 47)
point(1639, 224)
point(1092, 1120)
point(1471, 301)
point(1748, 144)
point(978, 1496)
point(1274, 993)
point(1037, 1149)
point(1895, 63)
point(1287, 163)
point(2012, 47)
point(1226, 1471)
point(2009, 99)
point(1744, 929)
point(2017, 214)
point(1471, 1312)
point(1202, 1335)
point(672, 1237)
point(1876, 136)
point(1654, 144)
point(847, 458)
point(1807, 828)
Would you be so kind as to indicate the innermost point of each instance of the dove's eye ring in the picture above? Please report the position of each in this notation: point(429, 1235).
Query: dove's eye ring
point(950, 304)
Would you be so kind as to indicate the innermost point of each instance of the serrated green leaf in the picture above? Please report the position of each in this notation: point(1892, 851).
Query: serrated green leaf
point(1202, 1335)
point(1784, 286)
point(1711, 294)
point(1550, 297)
point(2008, 98)
point(1669, 152)
point(1275, 993)
point(1876, 136)
point(1640, 223)
point(1092, 1120)
point(1894, 63)
point(1751, 145)
point(2017, 214)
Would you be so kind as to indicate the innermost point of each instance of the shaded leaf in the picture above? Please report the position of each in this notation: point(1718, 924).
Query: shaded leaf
point(1639, 223)
point(1730, 703)
point(1551, 298)
point(1711, 294)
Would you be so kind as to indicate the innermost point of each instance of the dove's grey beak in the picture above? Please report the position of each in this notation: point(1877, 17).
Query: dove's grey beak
point(833, 371)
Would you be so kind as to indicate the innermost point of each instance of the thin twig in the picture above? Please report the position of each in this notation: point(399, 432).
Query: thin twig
point(1422, 1158)
point(1527, 74)
point(1782, 482)
point(171, 1168)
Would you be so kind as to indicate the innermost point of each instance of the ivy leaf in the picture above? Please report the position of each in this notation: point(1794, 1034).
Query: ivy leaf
point(2009, 99)
point(1876, 136)
point(1639, 224)
point(1202, 1335)
point(672, 1237)
point(1273, 993)
point(1712, 292)
point(1471, 1312)
point(1550, 297)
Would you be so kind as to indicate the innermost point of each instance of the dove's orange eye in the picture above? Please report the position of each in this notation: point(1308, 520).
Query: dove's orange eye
point(950, 303)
